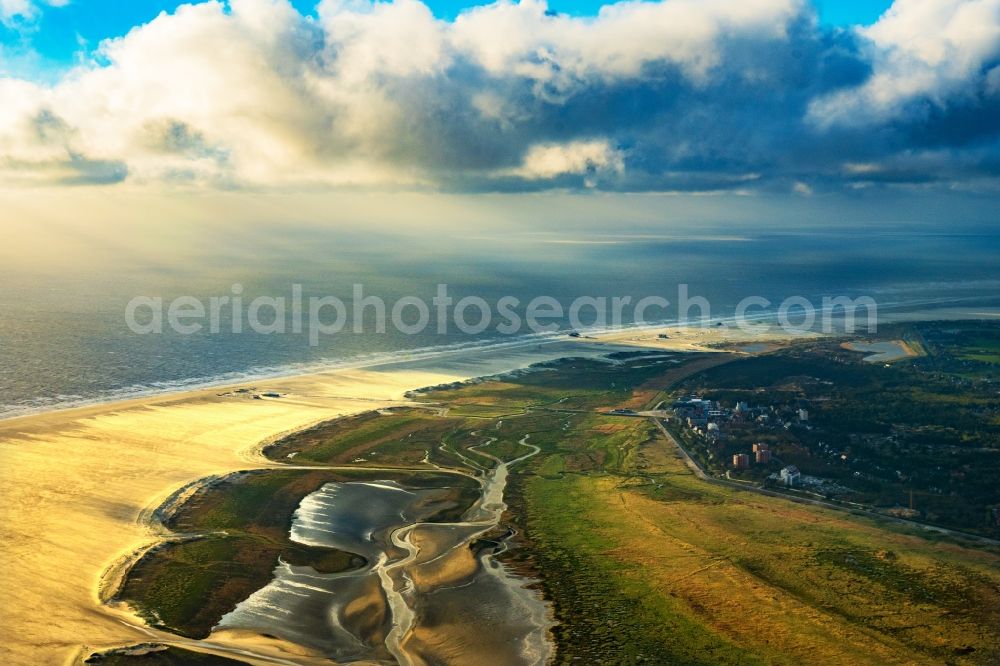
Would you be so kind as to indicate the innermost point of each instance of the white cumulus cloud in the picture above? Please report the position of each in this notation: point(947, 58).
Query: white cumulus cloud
point(575, 157)
point(921, 51)
point(667, 95)
point(20, 10)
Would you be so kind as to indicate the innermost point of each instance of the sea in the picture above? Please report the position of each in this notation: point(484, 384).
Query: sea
point(65, 341)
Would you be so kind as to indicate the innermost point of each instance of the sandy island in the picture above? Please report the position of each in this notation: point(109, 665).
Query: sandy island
point(78, 484)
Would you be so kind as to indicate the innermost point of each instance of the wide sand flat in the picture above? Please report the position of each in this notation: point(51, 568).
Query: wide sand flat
point(706, 338)
point(77, 484)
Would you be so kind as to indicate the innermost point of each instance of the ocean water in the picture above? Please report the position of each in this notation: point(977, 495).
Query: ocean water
point(64, 339)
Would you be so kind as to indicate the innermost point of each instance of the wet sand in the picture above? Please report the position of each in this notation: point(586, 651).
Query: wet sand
point(882, 352)
point(425, 597)
point(480, 613)
point(345, 616)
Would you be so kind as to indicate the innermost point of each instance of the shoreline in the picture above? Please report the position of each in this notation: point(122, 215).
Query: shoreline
point(78, 482)
point(238, 379)
point(890, 313)
point(624, 335)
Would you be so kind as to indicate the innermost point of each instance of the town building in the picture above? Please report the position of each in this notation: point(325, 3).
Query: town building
point(791, 476)
point(763, 456)
point(741, 461)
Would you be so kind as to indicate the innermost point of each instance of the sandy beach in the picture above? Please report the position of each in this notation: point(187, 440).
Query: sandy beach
point(704, 338)
point(79, 484)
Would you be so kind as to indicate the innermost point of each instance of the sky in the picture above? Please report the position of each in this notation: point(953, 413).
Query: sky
point(57, 34)
point(758, 97)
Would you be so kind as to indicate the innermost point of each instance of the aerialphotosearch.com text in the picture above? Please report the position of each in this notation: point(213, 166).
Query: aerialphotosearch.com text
point(319, 317)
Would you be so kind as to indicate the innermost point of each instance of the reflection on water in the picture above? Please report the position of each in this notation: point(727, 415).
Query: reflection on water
point(342, 615)
point(346, 516)
point(487, 618)
point(318, 611)
point(880, 352)
point(425, 595)
point(63, 338)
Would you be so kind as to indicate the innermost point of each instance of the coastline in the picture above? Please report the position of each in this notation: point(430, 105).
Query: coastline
point(142, 394)
point(690, 336)
point(80, 484)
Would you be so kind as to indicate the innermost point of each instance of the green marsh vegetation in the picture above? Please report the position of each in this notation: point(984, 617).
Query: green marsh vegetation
point(232, 534)
point(642, 561)
point(645, 563)
point(158, 655)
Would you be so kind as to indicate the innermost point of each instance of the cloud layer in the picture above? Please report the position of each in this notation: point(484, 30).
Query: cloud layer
point(685, 95)
point(14, 11)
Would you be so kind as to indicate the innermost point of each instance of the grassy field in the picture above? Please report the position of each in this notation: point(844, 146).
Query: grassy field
point(980, 344)
point(642, 561)
point(394, 438)
point(700, 574)
point(645, 563)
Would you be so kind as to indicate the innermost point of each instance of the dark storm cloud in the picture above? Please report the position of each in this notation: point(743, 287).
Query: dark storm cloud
point(669, 96)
